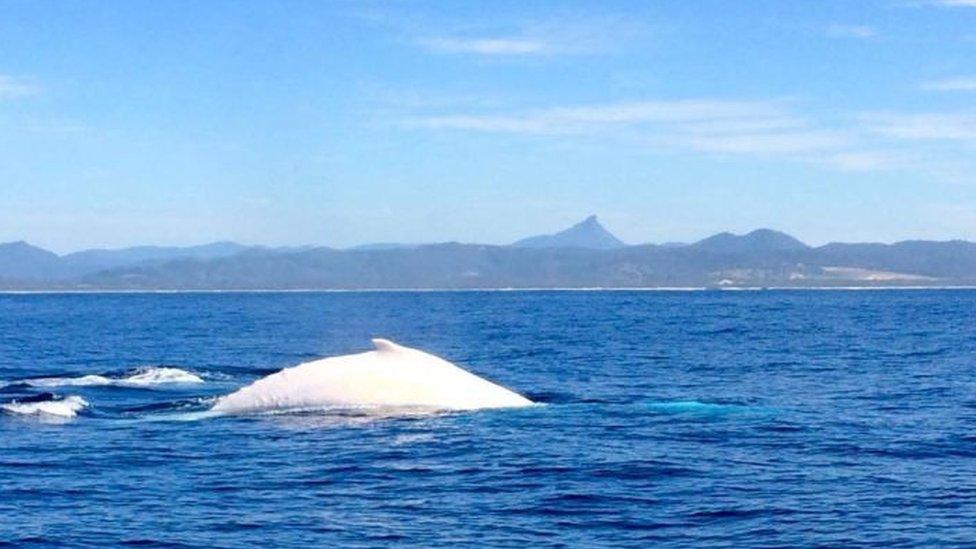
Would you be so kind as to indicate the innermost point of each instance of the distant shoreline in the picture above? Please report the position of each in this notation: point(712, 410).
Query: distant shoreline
point(585, 257)
point(489, 290)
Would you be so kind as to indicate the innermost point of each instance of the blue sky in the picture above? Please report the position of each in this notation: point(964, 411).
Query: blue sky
point(338, 123)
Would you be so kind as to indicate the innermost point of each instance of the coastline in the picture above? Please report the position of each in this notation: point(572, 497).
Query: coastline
point(688, 289)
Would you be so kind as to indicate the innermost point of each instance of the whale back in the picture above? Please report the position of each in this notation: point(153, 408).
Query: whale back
point(391, 375)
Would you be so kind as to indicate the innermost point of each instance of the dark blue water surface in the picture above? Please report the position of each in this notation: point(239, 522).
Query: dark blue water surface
point(670, 419)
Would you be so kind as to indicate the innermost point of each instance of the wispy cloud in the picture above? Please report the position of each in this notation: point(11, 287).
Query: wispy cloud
point(693, 113)
point(770, 143)
point(486, 46)
point(54, 127)
point(404, 98)
point(862, 32)
point(953, 126)
point(959, 83)
point(866, 161)
point(12, 87)
point(772, 129)
point(939, 4)
point(769, 129)
point(556, 34)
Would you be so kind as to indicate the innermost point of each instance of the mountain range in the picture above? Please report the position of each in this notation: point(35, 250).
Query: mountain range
point(582, 256)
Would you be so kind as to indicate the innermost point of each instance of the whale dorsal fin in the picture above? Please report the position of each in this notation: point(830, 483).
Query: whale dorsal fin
point(385, 345)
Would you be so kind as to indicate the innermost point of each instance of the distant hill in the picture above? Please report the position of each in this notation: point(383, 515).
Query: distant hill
point(384, 246)
point(89, 261)
point(588, 234)
point(20, 260)
point(953, 259)
point(758, 241)
point(479, 266)
point(584, 256)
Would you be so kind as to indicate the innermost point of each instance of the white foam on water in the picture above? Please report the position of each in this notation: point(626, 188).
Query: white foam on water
point(67, 407)
point(199, 415)
point(144, 377)
point(157, 376)
point(412, 438)
point(83, 381)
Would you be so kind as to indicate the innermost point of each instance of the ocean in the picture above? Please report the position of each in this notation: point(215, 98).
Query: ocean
point(666, 419)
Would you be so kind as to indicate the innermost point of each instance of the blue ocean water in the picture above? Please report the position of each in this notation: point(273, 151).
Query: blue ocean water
point(671, 419)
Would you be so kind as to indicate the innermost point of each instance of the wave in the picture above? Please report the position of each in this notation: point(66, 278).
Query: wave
point(181, 416)
point(143, 377)
point(67, 407)
point(156, 376)
point(195, 403)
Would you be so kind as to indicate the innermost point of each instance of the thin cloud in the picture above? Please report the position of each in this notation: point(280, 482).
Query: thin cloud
point(486, 46)
point(758, 129)
point(767, 129)
point(940, 3)
point(862, 32)
point(772, 143)
point(54, 127)
point(571, 120)
point(951, 126)
point(864, 161)
point(578, 34)
point(960, 83)
point(14, 88)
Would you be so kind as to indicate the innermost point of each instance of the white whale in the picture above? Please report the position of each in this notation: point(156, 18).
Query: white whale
point(389, 376)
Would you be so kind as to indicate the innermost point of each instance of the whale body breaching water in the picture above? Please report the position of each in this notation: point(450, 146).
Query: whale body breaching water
point(389, 376)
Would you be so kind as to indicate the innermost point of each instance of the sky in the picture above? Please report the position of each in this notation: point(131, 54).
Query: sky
point(339, 123)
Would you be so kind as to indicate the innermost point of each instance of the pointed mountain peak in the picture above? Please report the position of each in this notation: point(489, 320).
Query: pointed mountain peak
point(588, 233)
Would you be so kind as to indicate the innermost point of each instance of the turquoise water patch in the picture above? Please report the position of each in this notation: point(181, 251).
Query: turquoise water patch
point(703, 408)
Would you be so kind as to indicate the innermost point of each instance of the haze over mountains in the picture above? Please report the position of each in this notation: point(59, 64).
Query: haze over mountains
point(582, 256)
